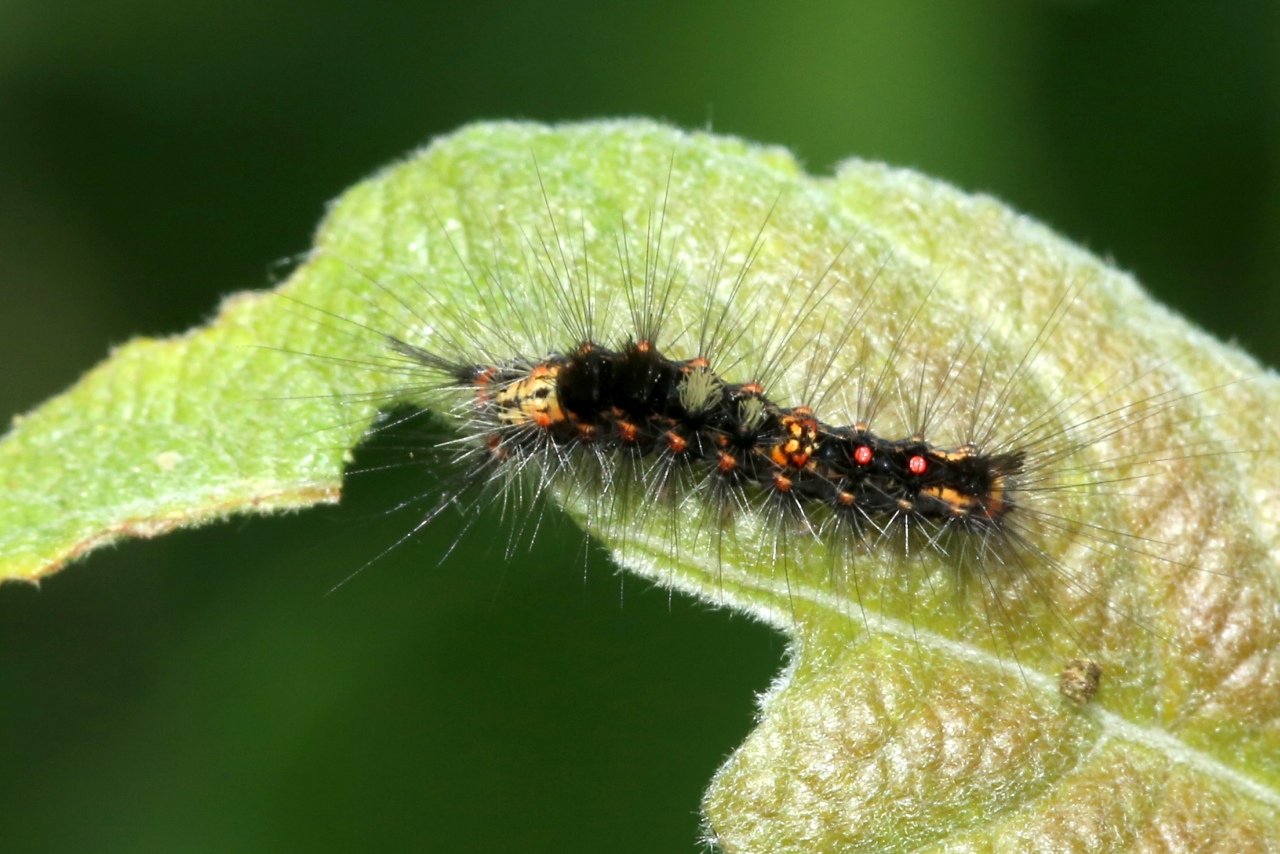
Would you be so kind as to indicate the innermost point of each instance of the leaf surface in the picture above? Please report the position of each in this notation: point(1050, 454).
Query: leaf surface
point(921, 707)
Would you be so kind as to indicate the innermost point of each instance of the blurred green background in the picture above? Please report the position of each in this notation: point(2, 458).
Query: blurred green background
point(202, 693)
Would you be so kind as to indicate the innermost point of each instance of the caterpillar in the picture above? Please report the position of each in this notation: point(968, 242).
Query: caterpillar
point(727, 442)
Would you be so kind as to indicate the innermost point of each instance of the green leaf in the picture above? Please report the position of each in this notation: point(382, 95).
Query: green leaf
point(921, 708)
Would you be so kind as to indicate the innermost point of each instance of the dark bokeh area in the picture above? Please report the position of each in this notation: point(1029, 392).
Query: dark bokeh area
point(203, 692)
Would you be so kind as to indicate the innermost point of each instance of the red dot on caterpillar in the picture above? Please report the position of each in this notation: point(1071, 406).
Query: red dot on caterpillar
point(917, 465)
point(863, 455)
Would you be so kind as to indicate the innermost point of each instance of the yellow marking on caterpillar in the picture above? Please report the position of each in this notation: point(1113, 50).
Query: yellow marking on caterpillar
point(802, 439)
point(532, 399)
point(990, 506)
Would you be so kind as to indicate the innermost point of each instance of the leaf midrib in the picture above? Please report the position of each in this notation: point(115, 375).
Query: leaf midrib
point(1113, 726)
